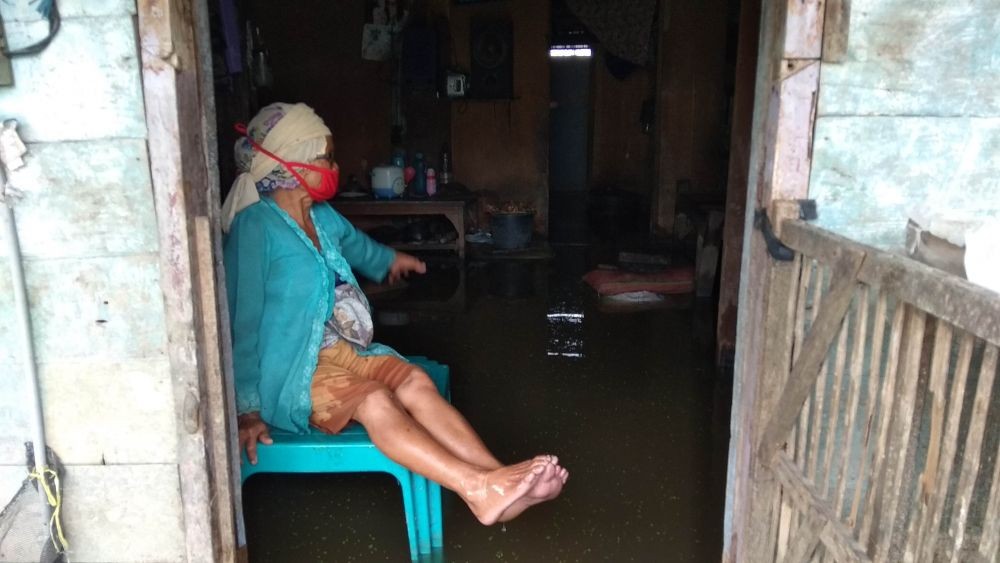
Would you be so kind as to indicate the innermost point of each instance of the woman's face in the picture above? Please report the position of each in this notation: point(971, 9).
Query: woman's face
point(324, 160)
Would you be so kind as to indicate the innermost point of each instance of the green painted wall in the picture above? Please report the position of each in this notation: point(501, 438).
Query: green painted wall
point(911, 118)
point(89, 235)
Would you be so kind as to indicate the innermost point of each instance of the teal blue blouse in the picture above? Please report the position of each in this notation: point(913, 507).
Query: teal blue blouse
point(280, 291)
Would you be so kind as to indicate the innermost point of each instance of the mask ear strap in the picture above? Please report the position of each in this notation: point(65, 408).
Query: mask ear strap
point(242, 130)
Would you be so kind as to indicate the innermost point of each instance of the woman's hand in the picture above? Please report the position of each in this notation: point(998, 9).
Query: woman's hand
point(403, 264)
point(252, 430)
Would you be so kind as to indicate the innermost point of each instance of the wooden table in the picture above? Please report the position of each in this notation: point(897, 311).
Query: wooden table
point(452, 209)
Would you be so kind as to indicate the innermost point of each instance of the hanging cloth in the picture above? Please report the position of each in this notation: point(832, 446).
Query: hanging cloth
point(624, 27)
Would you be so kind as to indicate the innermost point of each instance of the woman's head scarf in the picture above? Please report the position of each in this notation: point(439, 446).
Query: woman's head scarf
point(294, 133)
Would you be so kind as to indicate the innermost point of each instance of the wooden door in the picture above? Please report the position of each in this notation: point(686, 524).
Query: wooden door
point(877, 410)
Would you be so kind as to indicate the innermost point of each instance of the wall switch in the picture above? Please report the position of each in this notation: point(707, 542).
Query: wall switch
point(456, 84)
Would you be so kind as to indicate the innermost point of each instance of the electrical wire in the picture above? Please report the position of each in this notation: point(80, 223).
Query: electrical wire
point(48, 9)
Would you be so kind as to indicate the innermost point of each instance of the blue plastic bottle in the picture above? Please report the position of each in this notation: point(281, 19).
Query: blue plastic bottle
point(418, 187)
point(399, 158)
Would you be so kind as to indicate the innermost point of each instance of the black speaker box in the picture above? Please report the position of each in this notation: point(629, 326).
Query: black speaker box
point(492, 54)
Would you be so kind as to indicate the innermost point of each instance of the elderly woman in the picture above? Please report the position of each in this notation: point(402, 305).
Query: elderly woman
point(302, 329)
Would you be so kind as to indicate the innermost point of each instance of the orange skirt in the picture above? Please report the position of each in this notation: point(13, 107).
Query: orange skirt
point(343, 379)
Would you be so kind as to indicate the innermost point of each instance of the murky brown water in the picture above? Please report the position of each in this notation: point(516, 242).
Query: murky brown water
point(629, 402)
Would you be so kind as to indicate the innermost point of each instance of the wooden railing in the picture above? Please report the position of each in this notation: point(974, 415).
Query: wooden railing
point(878, 415)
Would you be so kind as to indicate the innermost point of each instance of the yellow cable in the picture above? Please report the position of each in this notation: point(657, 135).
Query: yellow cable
point(55, 501)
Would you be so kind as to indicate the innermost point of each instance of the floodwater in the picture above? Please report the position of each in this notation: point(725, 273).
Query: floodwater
point(629, 401)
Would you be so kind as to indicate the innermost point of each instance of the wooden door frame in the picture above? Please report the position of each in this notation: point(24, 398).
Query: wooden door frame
point(178, 93)
point(180, 119)
point(791, 47)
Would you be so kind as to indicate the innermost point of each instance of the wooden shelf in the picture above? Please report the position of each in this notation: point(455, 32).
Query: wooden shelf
point(452, 209)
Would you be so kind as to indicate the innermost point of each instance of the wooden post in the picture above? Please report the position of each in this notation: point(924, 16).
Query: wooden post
point(901, 424)
point(943, 337)
point(969, 472)
point(664, 194)
point(879, 323)
point(856, 373)
point(780, 160)
point(949, 443)
point(176, 123)
point(838, 20)
point(883, 411)
point(739, 169)
point(806, 539)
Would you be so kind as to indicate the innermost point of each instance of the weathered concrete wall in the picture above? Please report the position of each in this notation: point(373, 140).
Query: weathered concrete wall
point(911, 117)
point(89, 235)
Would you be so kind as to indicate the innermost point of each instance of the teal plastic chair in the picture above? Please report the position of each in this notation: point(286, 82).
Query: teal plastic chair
point(352, 451)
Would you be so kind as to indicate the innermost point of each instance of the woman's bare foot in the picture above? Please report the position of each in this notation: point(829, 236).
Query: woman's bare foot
point(547, 487)
point(493, 492)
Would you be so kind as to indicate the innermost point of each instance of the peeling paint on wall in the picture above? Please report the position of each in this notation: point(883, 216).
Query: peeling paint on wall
point(870, 173)
point(85, 199)
point(86, 85)
point(910, 119)
point(926, 57)
point(88, 231)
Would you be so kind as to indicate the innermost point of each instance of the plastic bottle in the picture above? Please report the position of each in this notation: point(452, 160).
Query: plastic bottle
point(419, 185)
point(399, 158)
point(445, 164)
point(432, 183)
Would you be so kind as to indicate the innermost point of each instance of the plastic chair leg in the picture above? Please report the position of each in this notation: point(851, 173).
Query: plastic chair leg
point(409, 511)
point(420, 492)
point(437, 523)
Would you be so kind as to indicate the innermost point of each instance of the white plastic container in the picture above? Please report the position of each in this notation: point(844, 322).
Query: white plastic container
point(387, 182)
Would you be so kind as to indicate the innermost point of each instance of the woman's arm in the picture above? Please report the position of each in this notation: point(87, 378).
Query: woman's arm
point(368, 257)
point(252, 429)
point(403, 264)
point(246, 261)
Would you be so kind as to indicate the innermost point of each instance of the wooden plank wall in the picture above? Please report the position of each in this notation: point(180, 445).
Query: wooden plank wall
point(621, 155)
point(89, 233)
point(691, 105)
point(909, 117)
point(503, 146)
point(319, 63)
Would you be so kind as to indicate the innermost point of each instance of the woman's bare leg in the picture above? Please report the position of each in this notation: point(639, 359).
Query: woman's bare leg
point(420, 397)
point(487, 492)
point(444, 423)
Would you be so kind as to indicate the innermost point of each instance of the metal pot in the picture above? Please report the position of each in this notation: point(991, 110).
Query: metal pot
point(512, 230)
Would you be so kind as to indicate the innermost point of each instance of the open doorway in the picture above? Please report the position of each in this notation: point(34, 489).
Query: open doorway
point(539, 359)
point(569, 120)
point(571, 60)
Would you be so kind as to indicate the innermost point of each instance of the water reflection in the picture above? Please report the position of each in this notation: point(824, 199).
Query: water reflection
point(630, 412)
point(512, 279)
point(564, 323)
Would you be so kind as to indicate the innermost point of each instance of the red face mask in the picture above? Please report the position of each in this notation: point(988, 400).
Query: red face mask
point(329, 177)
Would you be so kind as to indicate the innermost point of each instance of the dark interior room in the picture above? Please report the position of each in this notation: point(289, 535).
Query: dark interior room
point(573, 173)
